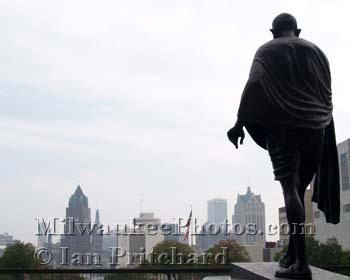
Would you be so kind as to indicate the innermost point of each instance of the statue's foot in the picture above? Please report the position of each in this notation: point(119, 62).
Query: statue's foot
point(286, 260)
point(295, 272)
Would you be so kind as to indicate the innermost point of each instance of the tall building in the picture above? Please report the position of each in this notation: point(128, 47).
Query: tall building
point(42, 236)
point(283, 222)
point(250, 209)
point(211, 236)
point(213, 230)
point(341, 230)
point(109, 242)
point(97, 236)
point(217, 211)
point(309, 217)
point(146, 218)
point(138, 240)
point(132, 244)
point(78, 217)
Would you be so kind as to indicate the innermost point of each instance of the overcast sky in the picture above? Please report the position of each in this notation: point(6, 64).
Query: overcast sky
point(133, 99)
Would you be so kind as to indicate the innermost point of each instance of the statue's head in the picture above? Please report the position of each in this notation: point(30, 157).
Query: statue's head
point(285, 25)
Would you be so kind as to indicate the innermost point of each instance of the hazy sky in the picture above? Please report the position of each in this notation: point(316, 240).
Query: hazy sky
point(133, 99)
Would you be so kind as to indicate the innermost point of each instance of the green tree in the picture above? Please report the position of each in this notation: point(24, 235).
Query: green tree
point(163, 252)
point(345, 260)
point(19, 255)
point(277, 256)
point(323, 254)
point(235, 252)
point(331, 252)
point(170, 254)
point(313, 251)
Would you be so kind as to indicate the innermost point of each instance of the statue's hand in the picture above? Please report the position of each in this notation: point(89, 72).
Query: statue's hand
point(234, 134)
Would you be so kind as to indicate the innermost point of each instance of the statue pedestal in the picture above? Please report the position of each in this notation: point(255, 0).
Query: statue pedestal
point(266, 271)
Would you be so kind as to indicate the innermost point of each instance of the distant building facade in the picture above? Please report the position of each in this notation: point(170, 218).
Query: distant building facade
point(283, 222)
point(208, 237)
point(5, 240)
point(175, 234)
point(341, 230)
point(309, 217)
point(146, 218)
point(250, 209)
point(109, 243)
point(131, 245)
point(213, 230)
point(78, 215)
point(42, 236)
point(217, 211)
point(97, 236)
point(137, 242)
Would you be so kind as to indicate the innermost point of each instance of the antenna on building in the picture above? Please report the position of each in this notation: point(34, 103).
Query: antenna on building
point(141, 202)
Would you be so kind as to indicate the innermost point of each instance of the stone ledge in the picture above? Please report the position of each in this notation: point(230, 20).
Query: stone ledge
point(266, 271)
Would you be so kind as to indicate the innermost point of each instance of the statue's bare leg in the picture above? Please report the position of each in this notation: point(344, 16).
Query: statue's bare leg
point(296, 218)
point(295, 215)
point(305, 179)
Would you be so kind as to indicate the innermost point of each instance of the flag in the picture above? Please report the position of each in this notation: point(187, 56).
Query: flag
point(188, 225)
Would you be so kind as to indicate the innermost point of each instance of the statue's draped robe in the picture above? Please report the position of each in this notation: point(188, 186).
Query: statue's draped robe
point(289, 87)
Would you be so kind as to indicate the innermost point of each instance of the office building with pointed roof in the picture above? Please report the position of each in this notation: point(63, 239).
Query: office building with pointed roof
point(78, 216)
point(250, 209)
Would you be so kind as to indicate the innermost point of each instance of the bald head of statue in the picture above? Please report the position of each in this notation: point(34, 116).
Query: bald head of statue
point(285, 25)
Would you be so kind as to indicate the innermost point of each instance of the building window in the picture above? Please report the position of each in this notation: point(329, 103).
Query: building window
point(346, 208)
point(317, 214)
point(343, 156)
point(344, 171)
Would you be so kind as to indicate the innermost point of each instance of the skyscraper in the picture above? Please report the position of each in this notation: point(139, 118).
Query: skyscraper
point(217, 211)
point(146, 218)
point(250, 209)
point(42, 236)
point(78, 217)
point(217, 215)
point(97, 236)
point(139, 239)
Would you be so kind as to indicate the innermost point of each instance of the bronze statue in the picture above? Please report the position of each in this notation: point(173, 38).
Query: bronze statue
point(286, 107)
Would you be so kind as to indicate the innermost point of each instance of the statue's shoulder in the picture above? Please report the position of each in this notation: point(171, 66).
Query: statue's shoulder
point(280, 45)
point(310, 49)
point(305, 44)
point(271, 47)
point(285, 42)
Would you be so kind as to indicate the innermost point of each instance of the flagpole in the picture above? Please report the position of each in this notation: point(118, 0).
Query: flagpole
point(187, 233)
point(191, 239)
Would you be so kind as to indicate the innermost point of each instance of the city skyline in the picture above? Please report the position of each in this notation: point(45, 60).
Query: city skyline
point(78, 189)
point(213, 205)
point(133, 100)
